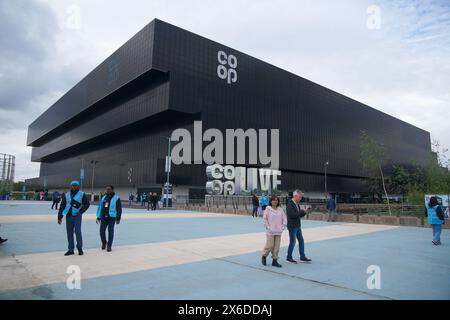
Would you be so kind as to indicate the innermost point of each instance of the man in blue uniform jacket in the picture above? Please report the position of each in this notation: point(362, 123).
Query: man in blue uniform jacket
point(109, 213)
point(74, 203)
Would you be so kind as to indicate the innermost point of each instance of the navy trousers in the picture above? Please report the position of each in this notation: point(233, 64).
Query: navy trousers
point(73, 225)
point(107, 223)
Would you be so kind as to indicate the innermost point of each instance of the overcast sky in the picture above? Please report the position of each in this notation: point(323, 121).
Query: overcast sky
point(391, 55)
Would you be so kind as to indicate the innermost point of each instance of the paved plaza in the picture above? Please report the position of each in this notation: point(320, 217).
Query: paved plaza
point(196, 255)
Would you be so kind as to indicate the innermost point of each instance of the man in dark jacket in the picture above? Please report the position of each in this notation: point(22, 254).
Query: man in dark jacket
point(294, 214)
point(74, 203)
point(331, 208)
point(109, 213)
point(255, 202)
point(154, 201)
point(56, 197)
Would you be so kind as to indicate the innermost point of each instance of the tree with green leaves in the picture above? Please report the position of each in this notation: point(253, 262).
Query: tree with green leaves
point(372, 157)
point(18, 186)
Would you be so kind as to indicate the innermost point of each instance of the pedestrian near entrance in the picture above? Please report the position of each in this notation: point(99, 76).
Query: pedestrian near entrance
point(154, 201)
point(264, 202)
point(331, 208)
point(255, 203)
point(294, 225)
point(143, 199)
point(275, 221)
point(435, 216)
point(74, 203)
point(130, 198)
point(109, 213)
point(56, 197)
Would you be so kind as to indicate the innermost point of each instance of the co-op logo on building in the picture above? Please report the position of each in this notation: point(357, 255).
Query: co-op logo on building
point(223, 177)
point(226, 69)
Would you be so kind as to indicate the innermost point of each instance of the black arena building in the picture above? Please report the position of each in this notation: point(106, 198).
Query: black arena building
point(120, 115)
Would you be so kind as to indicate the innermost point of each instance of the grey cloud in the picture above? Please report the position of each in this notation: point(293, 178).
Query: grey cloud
point(29, 30)
point(327, 42)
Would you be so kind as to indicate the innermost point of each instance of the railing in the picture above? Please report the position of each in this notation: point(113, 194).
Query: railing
point(245, 202)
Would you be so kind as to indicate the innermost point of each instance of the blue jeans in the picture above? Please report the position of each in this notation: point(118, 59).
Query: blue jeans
point(73, 224)
point(437, 228)
point(294, 235)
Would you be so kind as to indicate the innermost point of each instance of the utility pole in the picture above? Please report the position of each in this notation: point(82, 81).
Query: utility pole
point(82, 173)
point(93, 162)
point(326, 187)
point(168, 167)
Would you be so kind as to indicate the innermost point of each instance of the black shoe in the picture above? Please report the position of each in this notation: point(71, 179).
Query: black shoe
point(435, 242)
point(291, 260)
point(305, 259)
point(276, 264)
point(264, 261)
point(3, 240)
point(103, 246)
point(69, 253)
point(109, 249)
point(80, 252)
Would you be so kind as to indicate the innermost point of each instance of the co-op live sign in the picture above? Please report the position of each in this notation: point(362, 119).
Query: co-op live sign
point(226, 70)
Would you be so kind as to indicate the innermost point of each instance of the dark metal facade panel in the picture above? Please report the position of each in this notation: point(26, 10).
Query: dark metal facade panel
point(128, 62)
point(139, 107)
point(316, 124)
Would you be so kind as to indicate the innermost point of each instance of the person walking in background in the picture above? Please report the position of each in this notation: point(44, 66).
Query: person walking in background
point(264, 201)
point(56, 197)
point(74, 203)
point(149, 200)
point(294, 215)
point(436, 219)
point(255, 203)
point(130, 199)
point(138, 198)
point(275, 222)
point(109, 213)
point(331, 208)
point(143, 199)
point(154, 201)
point(41, 195)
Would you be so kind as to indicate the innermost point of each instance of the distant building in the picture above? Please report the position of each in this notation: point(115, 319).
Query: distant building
point(7, 167)
point(115, 121)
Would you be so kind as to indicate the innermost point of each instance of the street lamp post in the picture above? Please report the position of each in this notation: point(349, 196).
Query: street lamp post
point(168, 167)
point(82, 173)
point(93, 162)
point(326, 187)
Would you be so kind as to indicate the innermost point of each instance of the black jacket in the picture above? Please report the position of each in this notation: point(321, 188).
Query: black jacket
point(294, 213)
point(105, 211)
point(83, 209)
point(255, 201)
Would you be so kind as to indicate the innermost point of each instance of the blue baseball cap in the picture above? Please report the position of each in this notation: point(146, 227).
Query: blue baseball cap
point(75, 183)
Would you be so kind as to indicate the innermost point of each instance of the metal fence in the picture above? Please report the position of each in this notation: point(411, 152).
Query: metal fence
point(245, 202)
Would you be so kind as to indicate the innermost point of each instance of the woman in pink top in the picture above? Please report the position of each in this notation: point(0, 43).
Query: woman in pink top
point(275, 221)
